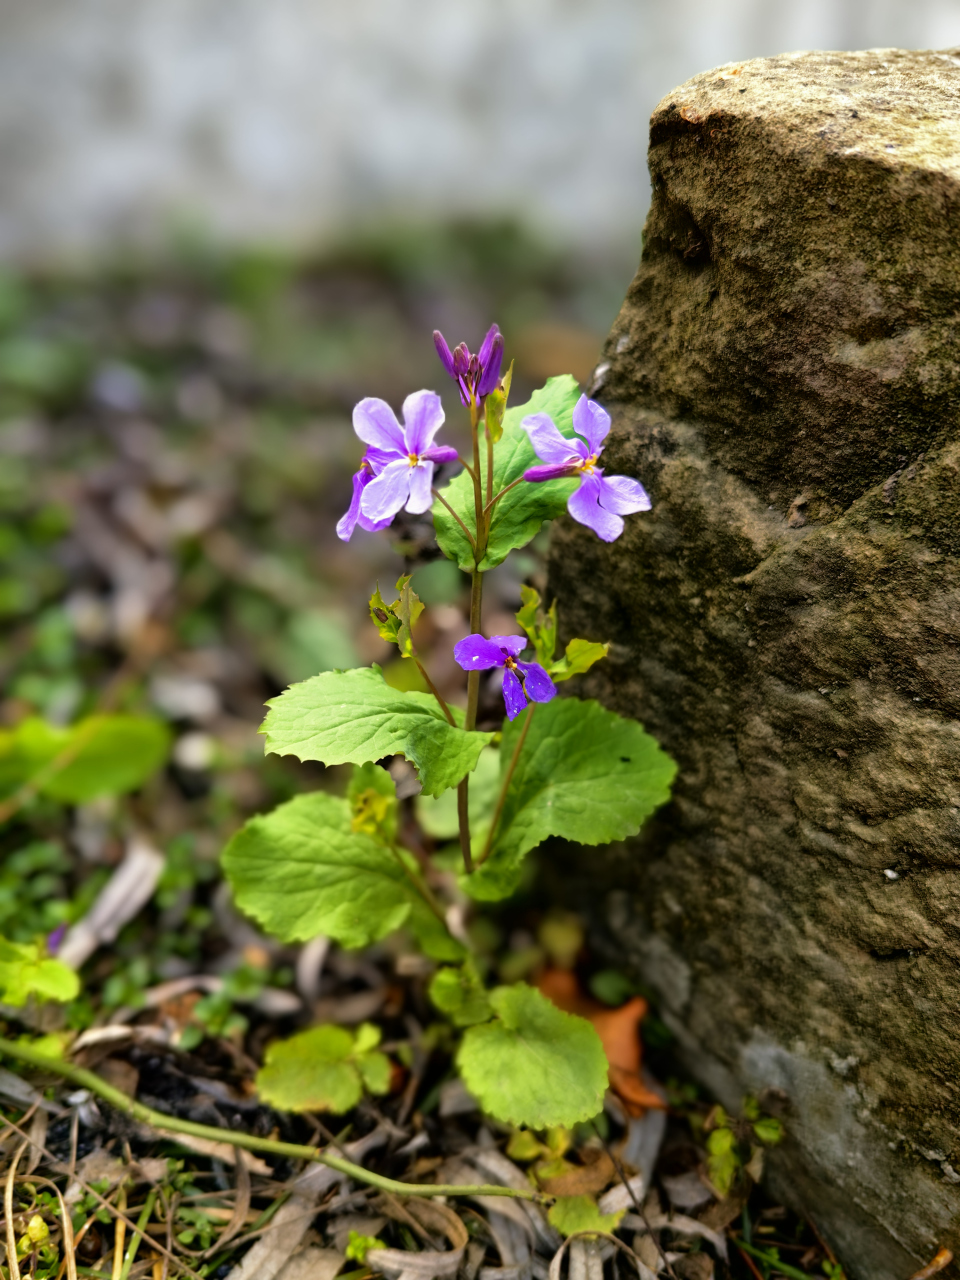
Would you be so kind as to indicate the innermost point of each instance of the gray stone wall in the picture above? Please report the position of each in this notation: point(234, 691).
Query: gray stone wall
point(785, 377)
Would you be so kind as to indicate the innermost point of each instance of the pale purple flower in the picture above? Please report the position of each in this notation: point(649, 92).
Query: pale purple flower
point(354, 516)
point(521, 680)
point(476, 375)
point(601, 501)
point(397, 468)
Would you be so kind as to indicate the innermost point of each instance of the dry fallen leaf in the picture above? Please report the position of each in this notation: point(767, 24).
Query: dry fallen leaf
point(619, 1033)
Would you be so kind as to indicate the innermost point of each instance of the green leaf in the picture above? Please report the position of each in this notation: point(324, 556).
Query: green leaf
point(495, 405)
point(534, 1065)
point(571, 1215)
point(359, 1246)
point(579, 657)
point(460, 995)
point(541, 627)
point(114, 754)
point(439, 818)
point(539, 624)
point(584, 773)
point(373, 801)
point(383, 617)
point(396, 621)
point(301, 870)
point(769, 1131)
point(323, 1069)
point(518, 516)
point(350, 717)
point(25, 971)
point(723, 1160)
point(102, 755)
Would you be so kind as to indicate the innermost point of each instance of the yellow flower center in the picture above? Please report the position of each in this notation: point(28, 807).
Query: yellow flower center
point(413, 459)
point(589, 463)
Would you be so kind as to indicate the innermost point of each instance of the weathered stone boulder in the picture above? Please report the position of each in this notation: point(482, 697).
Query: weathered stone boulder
point(785, 377)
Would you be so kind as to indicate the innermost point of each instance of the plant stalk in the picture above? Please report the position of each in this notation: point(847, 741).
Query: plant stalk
point(435, 691)
point(247, 1141)
point(505, 786)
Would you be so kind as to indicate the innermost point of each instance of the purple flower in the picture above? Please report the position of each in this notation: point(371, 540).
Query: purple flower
point(601, 501)
point(397, 468)
point(521, 680)
point(476, 375)
point(55, 939)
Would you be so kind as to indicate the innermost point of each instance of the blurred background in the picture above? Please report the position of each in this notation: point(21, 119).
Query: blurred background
point(297, 120)
point(221, 224)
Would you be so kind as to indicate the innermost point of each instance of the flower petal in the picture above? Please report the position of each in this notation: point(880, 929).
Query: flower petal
point(373, 526)
point(536, 683)
point(622, 495)
point(514, 698)
point(386, 493)
point(378, 458)
point(490, 366)
point(422, 419)
point(512, 644)
point(376, 423)
point(443, 351)
point(421, 478)
point(591, 421)
point(548, 444)
point(584, 506)
point(347, 523)
point(477, 653)
point(486, 346)
point(548, 472)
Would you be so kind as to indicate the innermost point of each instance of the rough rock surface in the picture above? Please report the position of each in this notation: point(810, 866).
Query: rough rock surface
point(785, 377)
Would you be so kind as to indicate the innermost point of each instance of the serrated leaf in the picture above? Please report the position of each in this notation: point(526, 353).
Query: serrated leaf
point(301, 870)
point(383, 617)
point(350, 717)
point(408, 608)
point(533, 1065)
point(323, 1069)
point(518, 516)
point(459, 994)
point(101, 755)
point(26, 971)
point(585, 773)
point(571, 1215)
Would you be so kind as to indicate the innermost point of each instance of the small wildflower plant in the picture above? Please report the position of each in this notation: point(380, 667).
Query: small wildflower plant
point(339, 867)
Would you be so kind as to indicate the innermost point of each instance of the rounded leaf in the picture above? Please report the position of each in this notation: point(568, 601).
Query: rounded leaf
point(534, 1065)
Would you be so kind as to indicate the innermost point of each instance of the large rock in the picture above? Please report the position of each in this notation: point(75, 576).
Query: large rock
point(785, 377)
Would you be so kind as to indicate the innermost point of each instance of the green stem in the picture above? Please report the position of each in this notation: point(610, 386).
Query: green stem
point(463, 823)
point(489, 475)
point(247, 1141)
point(508, 778)
point(145, 1215)
point(435, 691)
point(440, 498)
point(420, 885)
point(763, 1255)
point(493, 501)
